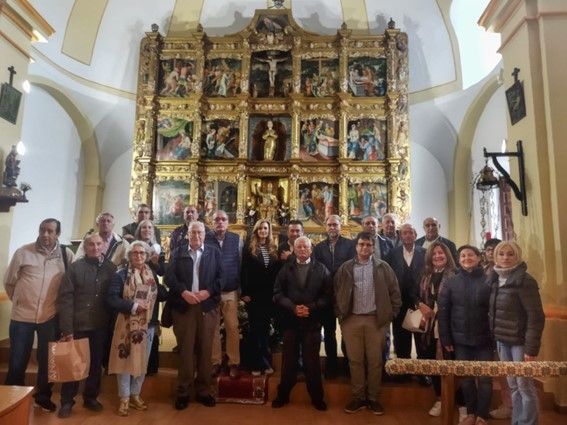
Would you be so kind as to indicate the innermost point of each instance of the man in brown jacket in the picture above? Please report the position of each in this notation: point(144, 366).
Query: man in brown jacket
point(32, 284)
point(367, 298)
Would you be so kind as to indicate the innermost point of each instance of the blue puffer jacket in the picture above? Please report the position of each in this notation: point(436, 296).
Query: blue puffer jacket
point(463, 310)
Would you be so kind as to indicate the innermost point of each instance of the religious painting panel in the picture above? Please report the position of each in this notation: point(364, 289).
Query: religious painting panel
point(367, 199)
point(220, 139)
point(318, 140)
point(222, 77)
point(366, 139)
point(271, 74)
point(367, 76)
point(319, 77)
point(177, 77)
point(271, 25)
point(218, 195)
point(170, 197)
point(268, 199)
point(174, 138)
point(269, 138)
point(317, 201)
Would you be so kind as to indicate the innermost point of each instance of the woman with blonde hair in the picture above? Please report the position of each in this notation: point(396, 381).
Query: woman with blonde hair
point(260, 266)
point(517, 321)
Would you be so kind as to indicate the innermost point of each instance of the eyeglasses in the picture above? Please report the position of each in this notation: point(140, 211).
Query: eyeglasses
point(137, 252)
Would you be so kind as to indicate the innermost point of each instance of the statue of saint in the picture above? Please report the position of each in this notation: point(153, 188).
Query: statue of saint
point(270, 138)
point(12, 168)
point(269, 204)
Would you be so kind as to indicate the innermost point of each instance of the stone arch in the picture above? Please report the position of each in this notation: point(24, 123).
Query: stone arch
point(91, 193)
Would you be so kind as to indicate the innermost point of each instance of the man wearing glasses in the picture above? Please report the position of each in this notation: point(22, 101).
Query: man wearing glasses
point(367, 298)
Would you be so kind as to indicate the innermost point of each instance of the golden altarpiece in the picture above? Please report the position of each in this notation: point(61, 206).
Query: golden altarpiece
point(273, 122)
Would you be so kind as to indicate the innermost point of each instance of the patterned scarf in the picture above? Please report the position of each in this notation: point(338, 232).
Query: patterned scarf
point(129, 342)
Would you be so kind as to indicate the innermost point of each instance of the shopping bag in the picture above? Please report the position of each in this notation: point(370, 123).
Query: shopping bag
point(412, 321)
point(68, 360)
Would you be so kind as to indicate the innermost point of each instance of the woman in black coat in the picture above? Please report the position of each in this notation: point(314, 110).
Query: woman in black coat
point(260, 266)
point(517, 321)
point(464, 329)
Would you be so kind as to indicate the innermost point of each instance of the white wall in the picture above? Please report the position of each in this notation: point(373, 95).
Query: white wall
point(117, 189)
point(52, 165)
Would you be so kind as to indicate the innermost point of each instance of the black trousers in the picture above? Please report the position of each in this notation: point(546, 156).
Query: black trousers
point(309, 340)
point(97, 343)
point(329, 322)
point(402, 338)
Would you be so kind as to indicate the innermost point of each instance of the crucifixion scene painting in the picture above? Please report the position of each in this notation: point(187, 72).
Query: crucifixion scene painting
point(271, 74)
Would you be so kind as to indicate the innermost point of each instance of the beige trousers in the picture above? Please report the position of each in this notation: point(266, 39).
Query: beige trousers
point(229, 312)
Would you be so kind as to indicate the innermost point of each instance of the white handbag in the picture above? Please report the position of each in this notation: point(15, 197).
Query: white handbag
point(412, 321)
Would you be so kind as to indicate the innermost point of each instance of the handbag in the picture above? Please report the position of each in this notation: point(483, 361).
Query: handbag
point(68, 361)
point(412, 321)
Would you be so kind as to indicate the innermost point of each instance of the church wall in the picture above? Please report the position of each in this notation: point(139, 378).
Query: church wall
point(115, 198)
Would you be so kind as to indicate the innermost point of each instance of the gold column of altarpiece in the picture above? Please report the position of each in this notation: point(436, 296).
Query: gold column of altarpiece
point(275, 122)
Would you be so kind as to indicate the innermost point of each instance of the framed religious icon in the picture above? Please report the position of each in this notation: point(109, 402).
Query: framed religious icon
point(220, 139)
point(177, 77)
point(319, 140)
point(174, 138)
point(366, 139)
point(222, 77)
point(516, 101)
point(269, 138)
point(319, 77)
point(9, 103)
point(367, 76)
point(270, 74)
point(170, 198)
point(367, 199)
point(215, 195)
point(317, 201)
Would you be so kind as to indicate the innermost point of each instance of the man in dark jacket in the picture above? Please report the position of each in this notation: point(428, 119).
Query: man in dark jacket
point(382, 246)
point(332, 252)
point(230, 245)
point(82, 314)
point(407, 261)
point(143, 212)
point(194, 279)
point(302, 289)
point(431, 227)
point(285, 248)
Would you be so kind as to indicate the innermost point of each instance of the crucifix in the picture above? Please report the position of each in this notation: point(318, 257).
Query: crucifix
point(515, 74)
point(12, 72)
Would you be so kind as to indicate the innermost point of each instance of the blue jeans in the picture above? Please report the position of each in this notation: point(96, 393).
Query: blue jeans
point(132, 385)
point(21, 344)
point(477, 397)
point(525, 403)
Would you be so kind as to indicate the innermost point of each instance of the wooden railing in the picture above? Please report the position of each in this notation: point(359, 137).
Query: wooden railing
point(449, 369)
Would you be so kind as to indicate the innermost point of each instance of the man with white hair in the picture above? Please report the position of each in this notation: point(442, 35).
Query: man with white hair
point(389, 229)
point(194, 279)
point(303, 290)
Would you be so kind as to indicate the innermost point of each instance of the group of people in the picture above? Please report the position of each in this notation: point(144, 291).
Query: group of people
point(109, 292)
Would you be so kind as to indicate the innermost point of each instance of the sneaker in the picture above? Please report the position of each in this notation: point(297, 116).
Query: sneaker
point(256, 373)
point(436, 409)
point(355, 405)
point(46, 405)
point(65, 411)
point(502, 412)
point(469, 420)
point(92, 404)
point(462, 413)
point(375, 407)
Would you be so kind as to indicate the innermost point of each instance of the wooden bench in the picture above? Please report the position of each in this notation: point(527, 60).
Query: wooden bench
point(15, 404)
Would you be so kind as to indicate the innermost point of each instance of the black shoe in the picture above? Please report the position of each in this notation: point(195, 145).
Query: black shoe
point(216, 370)
point(375, 407)
point(279, 402)
point(46, 405)
point(181, 402)
point(65, 411)
point(92, 404)
point(355, 405)
point(330, 371)
point(424, 381)
point(319, 405)
point(206, 400)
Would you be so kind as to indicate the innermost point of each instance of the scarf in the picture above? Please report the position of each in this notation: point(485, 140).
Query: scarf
point(129, 342)
point(503, 273)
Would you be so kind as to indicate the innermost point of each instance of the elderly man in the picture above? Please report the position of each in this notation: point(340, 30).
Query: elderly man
point(82, 314)
point(382, 246)
point(194, 277)
point(367, 298)
point(179, 235)
point(389, 229)
point(32, 283)
point(294, 230)
point(144, 212)
point(230, 245)
point(113, 246)
point(302, 290)
point(407, 261)
point(431, 227)
point(332, 252)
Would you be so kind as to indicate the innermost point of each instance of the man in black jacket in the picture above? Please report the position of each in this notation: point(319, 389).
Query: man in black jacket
point(332, 252)
point(82, 314)
point(382, 246)
point(431, 227)
point(302, 289)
